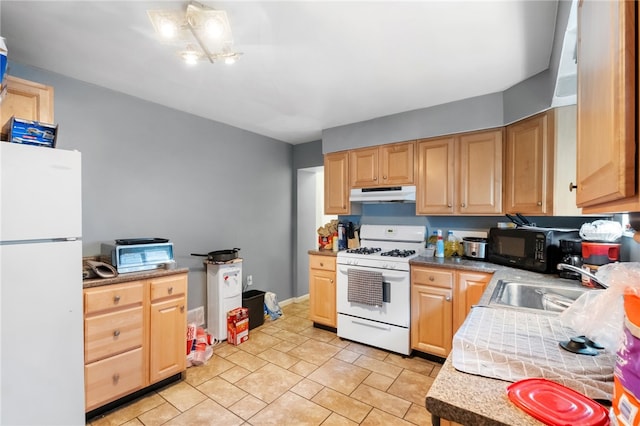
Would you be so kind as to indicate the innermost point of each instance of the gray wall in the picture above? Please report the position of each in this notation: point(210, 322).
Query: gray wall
point(150, 171)
point(305, 156)
point(483, 112)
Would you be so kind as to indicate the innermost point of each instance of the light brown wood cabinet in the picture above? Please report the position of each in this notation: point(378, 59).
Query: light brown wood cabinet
point(168, 327)
point(431, 310)
point(460, 174)
point(134, 336)
point(441, 299)
point(469, 286)
point(529, 150)
point(28, 100)
point(336, 183)
point(384, 165)
point(539, 167)
point(322, 290)
point(607, 171)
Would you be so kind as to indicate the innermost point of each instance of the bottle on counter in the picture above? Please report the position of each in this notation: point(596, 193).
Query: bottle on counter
point(452, 245)
point(439, 244)
point(433, 239)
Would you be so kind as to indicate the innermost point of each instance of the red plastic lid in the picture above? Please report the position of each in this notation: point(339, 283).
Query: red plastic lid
point(555, 404)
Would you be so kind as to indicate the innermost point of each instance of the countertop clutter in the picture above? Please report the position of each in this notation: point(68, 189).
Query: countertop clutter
point(474, 399)
point(133, 276)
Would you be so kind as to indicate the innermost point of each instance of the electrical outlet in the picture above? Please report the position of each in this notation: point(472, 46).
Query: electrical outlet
point(249, 280)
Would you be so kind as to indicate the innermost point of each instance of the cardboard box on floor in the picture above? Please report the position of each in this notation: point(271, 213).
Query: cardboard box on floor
point(237, 326)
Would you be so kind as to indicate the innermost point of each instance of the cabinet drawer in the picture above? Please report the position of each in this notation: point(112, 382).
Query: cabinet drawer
point(170, 286)
point(113, 296)
point(326, 263)
point(113, 378)
point(112, 333)
point(432, 277)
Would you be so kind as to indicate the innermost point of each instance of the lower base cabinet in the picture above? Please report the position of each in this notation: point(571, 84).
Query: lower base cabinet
point(135, 335)
point(440, 301)
point(322, 290)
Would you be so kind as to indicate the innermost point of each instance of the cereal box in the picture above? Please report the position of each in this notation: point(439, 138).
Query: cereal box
point(237, 326)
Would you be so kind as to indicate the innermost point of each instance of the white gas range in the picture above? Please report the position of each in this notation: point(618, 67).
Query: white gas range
point(373, 286)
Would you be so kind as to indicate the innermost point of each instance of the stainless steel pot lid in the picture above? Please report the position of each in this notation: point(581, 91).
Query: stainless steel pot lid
point(475, 239)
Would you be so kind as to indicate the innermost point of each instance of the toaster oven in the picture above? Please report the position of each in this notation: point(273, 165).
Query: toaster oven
point(138, 257)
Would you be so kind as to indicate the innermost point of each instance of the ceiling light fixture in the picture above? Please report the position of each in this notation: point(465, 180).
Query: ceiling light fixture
point(205, 31)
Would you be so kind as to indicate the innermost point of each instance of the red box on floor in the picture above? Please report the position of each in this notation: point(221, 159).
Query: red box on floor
point(237, 326)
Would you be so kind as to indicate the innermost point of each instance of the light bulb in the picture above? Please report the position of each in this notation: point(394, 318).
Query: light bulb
point(190, 57)
point(230, 60)
point(168, 28)
point(214, 28)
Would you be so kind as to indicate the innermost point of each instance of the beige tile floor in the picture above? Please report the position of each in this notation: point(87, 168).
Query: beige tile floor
point(290, 373)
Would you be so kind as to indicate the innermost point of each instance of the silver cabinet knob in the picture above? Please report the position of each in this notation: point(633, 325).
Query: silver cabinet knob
point(116, 333)
point(431, 278)
point(116, 378)
point(384, 177)
point(463, 205)
point(375, 178)
point(539, 203)
point(331, 281)
point(116, 299)
point(448, 298)
point(449, 205)
point(170, 290)
point(572, 186)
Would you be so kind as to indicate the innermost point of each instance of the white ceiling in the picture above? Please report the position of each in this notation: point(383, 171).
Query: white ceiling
point(307, 65)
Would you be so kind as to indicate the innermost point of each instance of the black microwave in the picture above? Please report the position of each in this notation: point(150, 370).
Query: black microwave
point(531, 248)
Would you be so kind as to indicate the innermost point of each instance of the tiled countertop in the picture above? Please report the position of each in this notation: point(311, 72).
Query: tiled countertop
point(133, 276)
point(475, 400)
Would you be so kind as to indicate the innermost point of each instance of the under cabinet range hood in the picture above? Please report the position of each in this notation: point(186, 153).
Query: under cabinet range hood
point(406, 194)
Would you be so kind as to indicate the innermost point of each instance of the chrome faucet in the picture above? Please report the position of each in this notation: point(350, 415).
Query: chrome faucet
point(581, 271)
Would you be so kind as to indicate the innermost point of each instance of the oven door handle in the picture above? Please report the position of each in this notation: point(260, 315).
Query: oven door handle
point(387, 275)
point(366, 324)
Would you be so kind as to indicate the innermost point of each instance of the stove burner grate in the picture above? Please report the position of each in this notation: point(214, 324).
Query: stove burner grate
point(364, 250)
point(398, 253)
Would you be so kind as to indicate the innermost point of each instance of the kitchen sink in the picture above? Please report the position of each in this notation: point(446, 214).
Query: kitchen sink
point(528, 295)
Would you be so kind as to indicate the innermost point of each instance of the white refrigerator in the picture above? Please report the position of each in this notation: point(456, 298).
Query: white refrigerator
point(41, 344)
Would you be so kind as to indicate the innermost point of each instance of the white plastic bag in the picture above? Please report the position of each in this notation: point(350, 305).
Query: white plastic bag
point(599, 314)
point(601, 230)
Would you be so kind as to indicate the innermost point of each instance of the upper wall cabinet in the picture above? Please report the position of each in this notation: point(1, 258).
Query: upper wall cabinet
point(336, 183)
point(460, 174)
point(529, 166)
point(607, 107)
point(384, 165)
point(28, 100)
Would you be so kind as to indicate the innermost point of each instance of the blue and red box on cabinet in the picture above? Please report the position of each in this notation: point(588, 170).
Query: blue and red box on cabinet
point(30, 132)
point(237, 326)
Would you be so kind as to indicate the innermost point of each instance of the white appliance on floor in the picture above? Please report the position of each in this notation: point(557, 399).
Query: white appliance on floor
point(386, 249)
point(42, 350)
point(224, 293)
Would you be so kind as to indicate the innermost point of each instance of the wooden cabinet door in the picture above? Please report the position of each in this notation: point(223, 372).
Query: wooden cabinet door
point(167, 344)
point(396, 163)
point(469, 289)
point(322, 297)
point(436, 176)
point(363, 167)
point(606, 168)
point(28, 100)
point(529, 166)
point(431, 319)
point(336, 183)
point(480, 173)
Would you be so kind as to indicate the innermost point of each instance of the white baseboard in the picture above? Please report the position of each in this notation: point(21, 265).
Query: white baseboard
point(294, 300)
